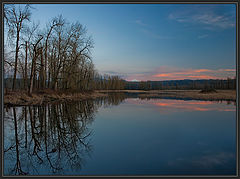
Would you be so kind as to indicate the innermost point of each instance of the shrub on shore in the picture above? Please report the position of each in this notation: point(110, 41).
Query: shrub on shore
point(208, 90)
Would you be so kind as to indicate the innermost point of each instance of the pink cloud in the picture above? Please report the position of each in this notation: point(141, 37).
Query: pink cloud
point(202, 77)
point(202, 70)
point(162, 75)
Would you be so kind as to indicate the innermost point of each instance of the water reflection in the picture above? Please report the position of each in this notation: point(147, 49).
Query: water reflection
point(53, 136)
point(55, 139)
point(173, 105)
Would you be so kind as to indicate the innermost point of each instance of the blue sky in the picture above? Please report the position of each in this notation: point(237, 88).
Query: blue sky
point(155, 41)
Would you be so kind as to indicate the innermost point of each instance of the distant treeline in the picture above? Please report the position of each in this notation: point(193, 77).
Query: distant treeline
point(114, 82)
point(182, 84)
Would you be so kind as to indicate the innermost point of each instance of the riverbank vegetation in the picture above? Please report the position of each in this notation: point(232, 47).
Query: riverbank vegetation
point(19, 98)
point(49, 96)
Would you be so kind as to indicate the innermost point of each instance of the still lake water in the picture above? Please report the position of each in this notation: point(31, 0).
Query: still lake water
point(121, 136)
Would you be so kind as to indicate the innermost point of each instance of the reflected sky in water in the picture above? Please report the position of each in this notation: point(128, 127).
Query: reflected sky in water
point(129, 137)
point(170, 106)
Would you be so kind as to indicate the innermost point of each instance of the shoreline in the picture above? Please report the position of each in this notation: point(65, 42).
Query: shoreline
point(21, 98)
point(180, 94)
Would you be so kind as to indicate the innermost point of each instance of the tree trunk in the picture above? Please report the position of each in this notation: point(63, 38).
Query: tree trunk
point(31, 76)
point(25, 76)
point(45, 66)
point(55, 85)
point(42, 79)
point(16, 62)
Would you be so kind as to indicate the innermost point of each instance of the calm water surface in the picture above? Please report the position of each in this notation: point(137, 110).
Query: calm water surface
point(121, 136)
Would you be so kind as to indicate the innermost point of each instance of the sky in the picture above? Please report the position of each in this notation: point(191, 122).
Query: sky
point(155, 41)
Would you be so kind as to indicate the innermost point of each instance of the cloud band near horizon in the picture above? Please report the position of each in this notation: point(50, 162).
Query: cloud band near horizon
point(172, 73)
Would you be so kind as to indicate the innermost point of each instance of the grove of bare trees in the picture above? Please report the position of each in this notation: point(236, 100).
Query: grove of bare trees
point(57, 57)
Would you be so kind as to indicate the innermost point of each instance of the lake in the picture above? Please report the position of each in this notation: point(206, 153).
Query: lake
point(121, 135)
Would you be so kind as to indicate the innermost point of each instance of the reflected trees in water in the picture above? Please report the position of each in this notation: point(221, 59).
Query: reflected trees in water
point(53, 136)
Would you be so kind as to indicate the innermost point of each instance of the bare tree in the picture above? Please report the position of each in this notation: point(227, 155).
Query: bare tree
point(15, 19)
point(54, 23)
point(36, 51)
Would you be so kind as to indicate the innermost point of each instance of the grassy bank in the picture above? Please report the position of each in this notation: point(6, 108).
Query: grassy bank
point(49, 96)
point(46, 96)
point(181, 94)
